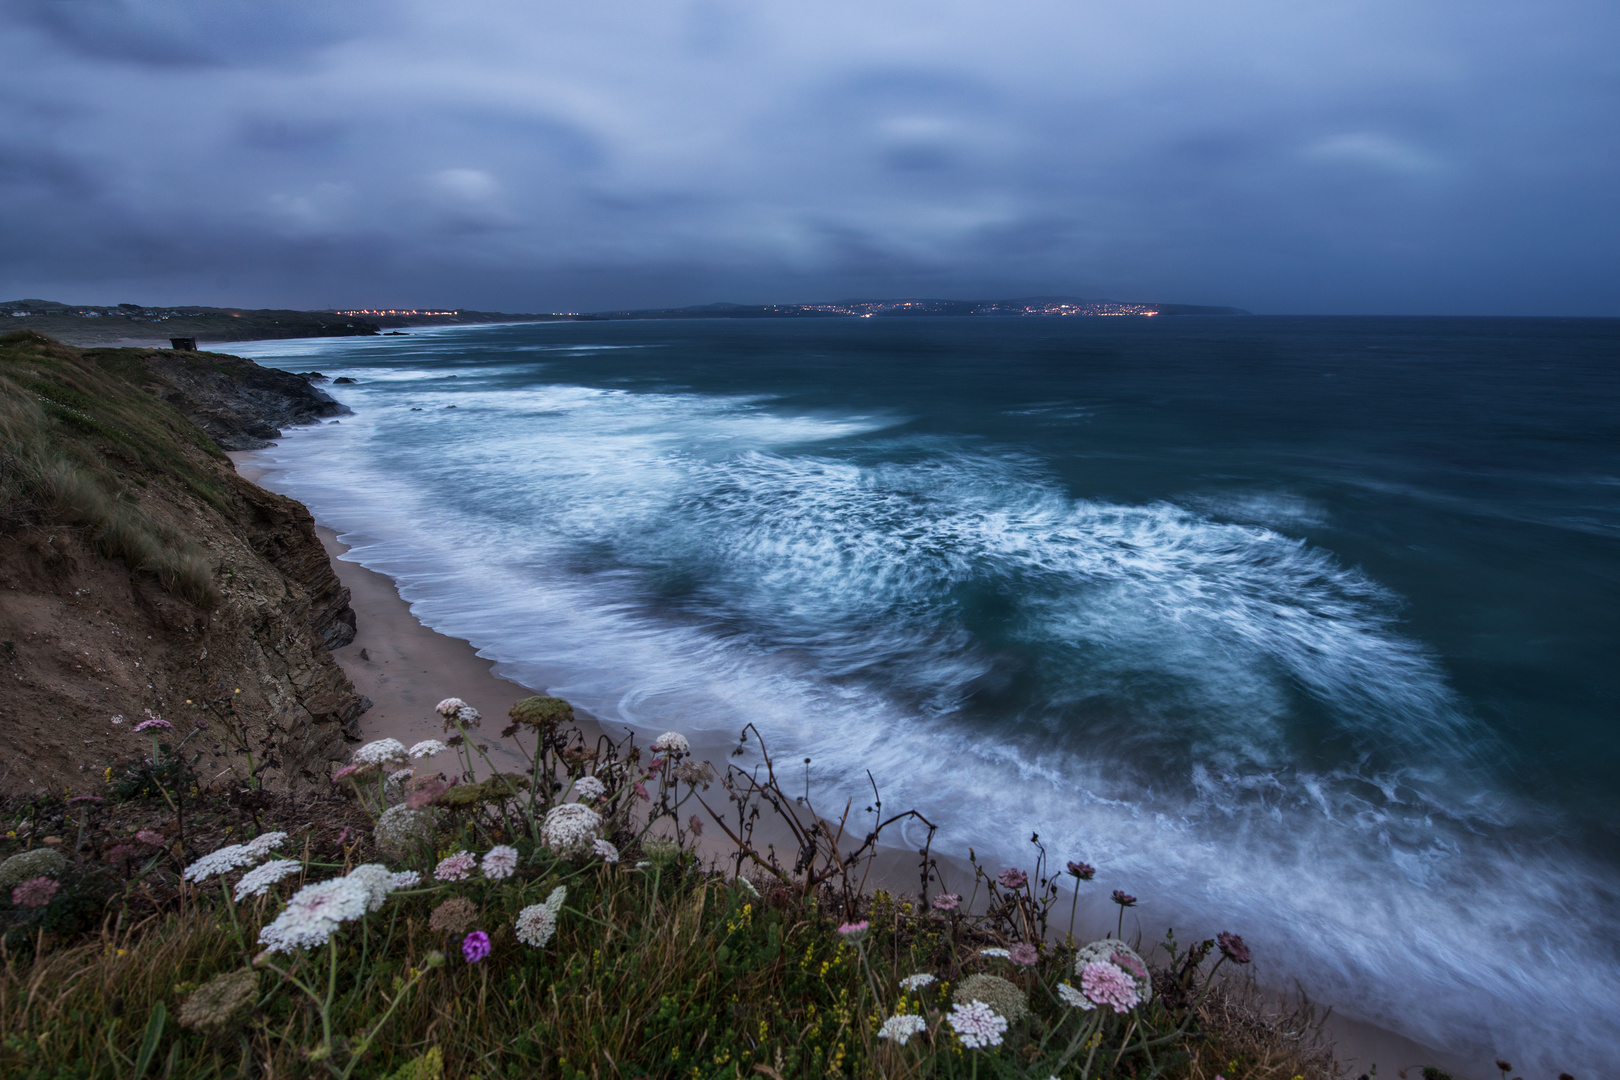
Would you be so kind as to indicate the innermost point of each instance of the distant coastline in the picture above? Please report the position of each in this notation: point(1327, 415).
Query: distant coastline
point(89, 325)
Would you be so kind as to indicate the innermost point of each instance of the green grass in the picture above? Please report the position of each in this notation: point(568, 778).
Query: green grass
point(81, 443)
point(660, 966)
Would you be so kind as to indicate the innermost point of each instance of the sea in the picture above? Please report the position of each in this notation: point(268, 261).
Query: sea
point(1301, 628)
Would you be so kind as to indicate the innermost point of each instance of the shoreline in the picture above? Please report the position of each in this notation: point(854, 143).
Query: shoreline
point(408, 667)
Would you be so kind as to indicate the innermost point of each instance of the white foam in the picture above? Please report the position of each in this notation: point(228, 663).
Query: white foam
point(1186, 690)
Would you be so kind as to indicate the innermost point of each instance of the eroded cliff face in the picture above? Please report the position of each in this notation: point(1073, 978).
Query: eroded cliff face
point(94, 640)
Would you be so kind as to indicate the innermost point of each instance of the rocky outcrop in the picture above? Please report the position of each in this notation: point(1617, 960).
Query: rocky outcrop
point(238, 403)
point(93, 641)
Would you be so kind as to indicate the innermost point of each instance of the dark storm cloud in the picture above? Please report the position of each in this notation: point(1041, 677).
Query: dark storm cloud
point(1368, 156)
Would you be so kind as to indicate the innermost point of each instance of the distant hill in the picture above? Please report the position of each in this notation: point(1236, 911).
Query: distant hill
point(1028, 306)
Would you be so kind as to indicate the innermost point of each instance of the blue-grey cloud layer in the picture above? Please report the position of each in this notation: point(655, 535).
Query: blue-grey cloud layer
point(1347, 155)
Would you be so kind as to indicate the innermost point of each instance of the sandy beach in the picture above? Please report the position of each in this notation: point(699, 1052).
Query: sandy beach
point(405, 668)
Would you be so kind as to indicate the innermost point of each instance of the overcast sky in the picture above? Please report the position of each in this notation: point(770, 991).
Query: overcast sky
point(1355, 156)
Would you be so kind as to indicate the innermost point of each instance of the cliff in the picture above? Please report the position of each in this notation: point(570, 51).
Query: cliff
point(138, 572)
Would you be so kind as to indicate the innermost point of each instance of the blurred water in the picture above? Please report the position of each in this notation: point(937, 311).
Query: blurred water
point(1305, 627)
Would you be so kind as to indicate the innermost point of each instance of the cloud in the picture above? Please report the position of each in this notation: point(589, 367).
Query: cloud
point(1341, 156)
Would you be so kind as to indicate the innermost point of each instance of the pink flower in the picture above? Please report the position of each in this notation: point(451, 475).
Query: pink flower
point(641, 791)
point(457, 867)
point(1013, 879)
point(1024, 955)
point(947, 901)
point(654, 765)
point(1127, 962)
point(854, 931)
point(696, 825)
point(1083, 871)
point(122, 853)
point(156, 722)
point(345, 772)
point(147, 836)
point(1233, 948)
point(1106, 984)
point(475, 946)
point(35, 892)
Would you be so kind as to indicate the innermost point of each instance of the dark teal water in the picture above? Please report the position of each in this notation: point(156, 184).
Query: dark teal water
point(1307, 624)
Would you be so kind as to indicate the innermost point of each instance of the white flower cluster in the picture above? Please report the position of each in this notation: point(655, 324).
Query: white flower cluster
point(672, 743)
point(314, 913)
point(500, 862)
point(381, 752)
point(589, 788)
point(917, 982)
point(902, 1028)
point(379, 882)
point(1000, 954)
point(606, 851)
point(233, 857)
point(1074, 998)
point(257, 882)
point(571, 828)
point(537, 922)
point(427, 748)
point(977, 1025)
point(400, 827)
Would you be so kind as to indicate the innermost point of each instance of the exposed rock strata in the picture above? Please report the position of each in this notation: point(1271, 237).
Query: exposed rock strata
point(238, 403)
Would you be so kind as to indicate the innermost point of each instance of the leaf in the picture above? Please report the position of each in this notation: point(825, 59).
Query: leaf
point(149, 1043)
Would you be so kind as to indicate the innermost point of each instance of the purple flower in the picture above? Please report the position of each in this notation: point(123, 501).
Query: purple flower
point(947, 901)
point(1024, 955)
point(147, 836)
point(475, 946)
point(1107, 985)
point(1123, 899)
point(1013, 879)
point(1232, 947)
point(155, 722)
point(455, 867)
point(641, 791)
point(854, 931)
point(35, 892)
point(1082, 871)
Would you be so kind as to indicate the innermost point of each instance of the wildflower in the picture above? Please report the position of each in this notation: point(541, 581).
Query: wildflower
point(122, 853)
point(1025, 955)
point(1122, 899)
point(641, 791)
point(455, 711)
point(381, 752)
point(695, 823)
point(500, 862)
point(428, 791)
point(1013, 879)
point(570, 828)
point(155, 723)
point(344, 773)
point(537, 922)
point(1120, 955)
point(1106, 984)
point(314, 913)
point(223, 861)
point(147, 836)
point(447, 708)
point(660, 852)
point(672, 743)
point(257, 882)
point(977, 1025)
point(747, 886)
point(264, 844)
point(947, 902)
point(606, 851)
point(1004, 997)
point(1082, 871)
point(219, 1000)
point(997, 953)
point(917, 981)
point(378, 880)
point(694, 773)
point(902, 1028)
point(400, 776)
point(1232, 947)
point(405, 879)
point(854, 931)
point(589, 788)
point(401, 827)
point(1074, 998)
point(34, 863)
point(453, 916)
point(475, 946)
point(35, 892)
point(455, 867)
point(427, 748)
